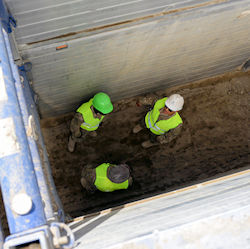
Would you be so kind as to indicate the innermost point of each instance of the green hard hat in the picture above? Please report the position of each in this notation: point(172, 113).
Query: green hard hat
point(102, 103)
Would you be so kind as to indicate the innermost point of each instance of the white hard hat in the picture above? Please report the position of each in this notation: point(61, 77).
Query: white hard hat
point(175, 102)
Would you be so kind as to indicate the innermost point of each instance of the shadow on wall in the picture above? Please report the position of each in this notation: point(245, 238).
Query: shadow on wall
point(87, 224)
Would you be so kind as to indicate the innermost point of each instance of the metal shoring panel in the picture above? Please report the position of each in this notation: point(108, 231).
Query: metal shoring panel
point(1, 236)
point(32, 121)
point(17, 175)
point(29, 126)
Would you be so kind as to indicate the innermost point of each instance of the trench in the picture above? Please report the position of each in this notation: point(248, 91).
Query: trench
point(213, 142)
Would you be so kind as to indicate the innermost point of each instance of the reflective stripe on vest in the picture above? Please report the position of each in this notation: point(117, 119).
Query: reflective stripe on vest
point(155, 127)
point(103, 183)
point(90, 123)
point(159, 127)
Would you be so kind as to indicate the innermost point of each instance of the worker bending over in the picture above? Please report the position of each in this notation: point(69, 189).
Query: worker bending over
point(106, 177)
point(88, 118)
point(163, 121)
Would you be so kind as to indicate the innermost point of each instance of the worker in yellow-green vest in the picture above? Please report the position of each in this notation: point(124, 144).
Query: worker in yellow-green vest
point(88, 118)
point(163, 121)
point(106, 177)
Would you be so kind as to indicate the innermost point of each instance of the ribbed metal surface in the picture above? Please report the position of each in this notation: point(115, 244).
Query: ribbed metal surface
point(213, 214)
point(39, 20)
point(163, 43)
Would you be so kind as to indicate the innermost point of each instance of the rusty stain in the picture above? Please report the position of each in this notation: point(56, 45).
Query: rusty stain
point(106, 211)
point(62, 47)
point(162, 13)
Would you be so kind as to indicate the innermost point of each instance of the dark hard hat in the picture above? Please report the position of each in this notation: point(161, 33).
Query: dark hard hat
point(118, 173)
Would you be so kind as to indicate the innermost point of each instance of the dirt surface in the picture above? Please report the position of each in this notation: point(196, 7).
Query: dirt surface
point(214, 140)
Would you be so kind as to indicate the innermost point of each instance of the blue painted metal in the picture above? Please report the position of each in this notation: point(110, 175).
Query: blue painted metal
point(6, 18)
point(29, 112)
point(26, 67)
point(26, 104)
point(41, 234)
point(44, 229)
point(17, 173)
point(23, 69)
point(63, 227)
point(41, 161)
point(57, 235)
point(1, 236)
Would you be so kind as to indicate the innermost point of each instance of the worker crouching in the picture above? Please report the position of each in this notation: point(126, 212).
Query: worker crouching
point(163, 121)
point(106, 177)
point(88, 117)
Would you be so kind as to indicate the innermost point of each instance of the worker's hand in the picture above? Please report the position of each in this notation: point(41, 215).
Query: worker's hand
point(165, 138)
point(144, 101)
point(147, 100)
point(148, 108)
point(161, 139)
point(93, 134)
point(130, 181)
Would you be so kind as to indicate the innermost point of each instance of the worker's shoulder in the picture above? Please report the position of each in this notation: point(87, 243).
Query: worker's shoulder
point(89, 102)
point(178, 117)
point(84, 105)
point(160, 102)
point(161, 99)
point(102, 165)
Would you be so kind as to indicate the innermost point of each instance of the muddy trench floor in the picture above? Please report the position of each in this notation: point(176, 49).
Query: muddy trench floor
point(214, 141)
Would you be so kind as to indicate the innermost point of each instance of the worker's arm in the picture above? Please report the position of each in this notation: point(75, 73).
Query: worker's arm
point(97, 115)
point(89, 176)
point(170, 136)
point(148, 100)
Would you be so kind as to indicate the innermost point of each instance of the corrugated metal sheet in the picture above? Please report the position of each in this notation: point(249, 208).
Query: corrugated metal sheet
point(126, 47)
point(40, 20)
point(213, 214)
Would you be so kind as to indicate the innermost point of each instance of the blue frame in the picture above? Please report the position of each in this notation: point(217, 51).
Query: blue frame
point(17, 174)
point(41, 164)
point(8, 21)
point(1, 236)
point(23, 156)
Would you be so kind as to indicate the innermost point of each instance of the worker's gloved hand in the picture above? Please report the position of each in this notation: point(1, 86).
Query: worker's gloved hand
point(166, 138)
point(93, 134)
point(141, 103)
point(162, 139)
point(147, 100)
point(78, 134)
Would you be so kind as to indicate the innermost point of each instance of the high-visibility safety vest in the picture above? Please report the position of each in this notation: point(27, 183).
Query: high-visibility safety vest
point(103, 183)
point(162, 126)
point(90, 123)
